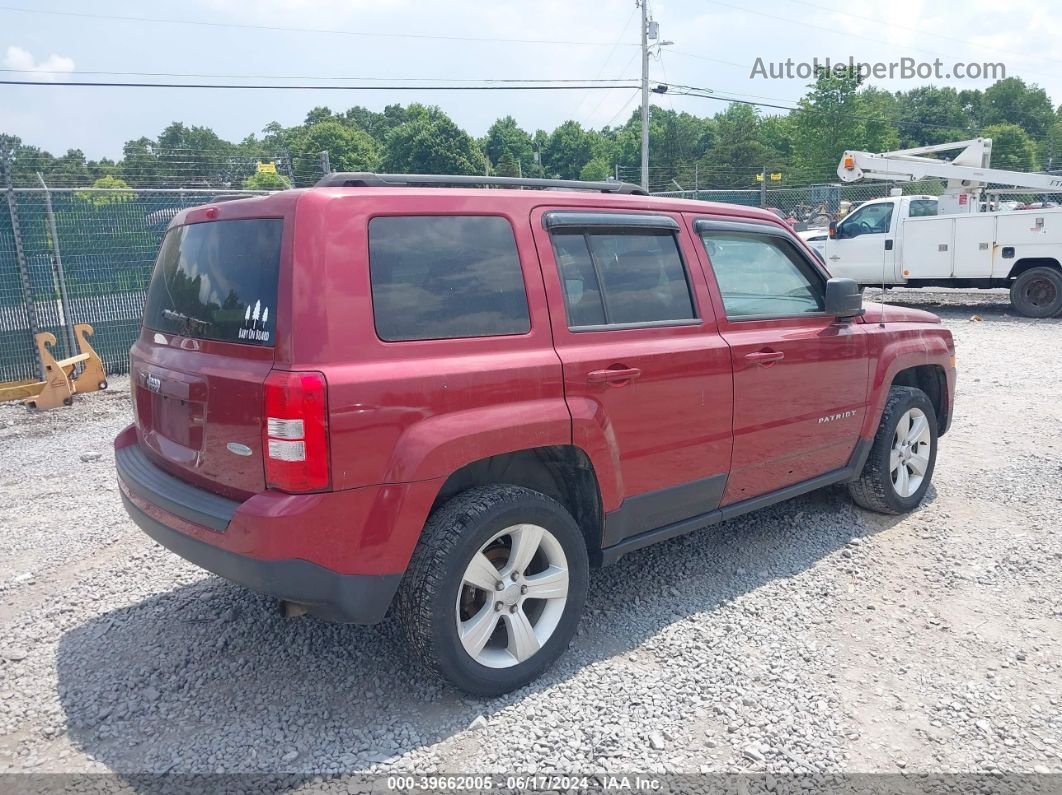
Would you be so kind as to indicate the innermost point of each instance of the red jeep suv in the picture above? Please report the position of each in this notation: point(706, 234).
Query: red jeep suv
point(414, 391)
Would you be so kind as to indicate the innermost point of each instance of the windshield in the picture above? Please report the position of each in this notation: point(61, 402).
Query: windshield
point(217, 281)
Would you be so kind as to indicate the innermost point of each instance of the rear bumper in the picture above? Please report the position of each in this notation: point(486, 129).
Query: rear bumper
point(353, 598)
point(342, 553)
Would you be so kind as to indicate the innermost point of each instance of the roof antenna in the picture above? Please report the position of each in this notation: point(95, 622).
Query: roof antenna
point(884, 255)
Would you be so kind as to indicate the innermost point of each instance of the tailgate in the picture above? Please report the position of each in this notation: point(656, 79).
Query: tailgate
point(198, 369)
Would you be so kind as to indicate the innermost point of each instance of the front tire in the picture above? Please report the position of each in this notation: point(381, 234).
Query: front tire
point(900, 465)
point(495, 589)
point(1038, 292)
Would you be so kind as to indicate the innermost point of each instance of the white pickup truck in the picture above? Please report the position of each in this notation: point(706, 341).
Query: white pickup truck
point(902, 241)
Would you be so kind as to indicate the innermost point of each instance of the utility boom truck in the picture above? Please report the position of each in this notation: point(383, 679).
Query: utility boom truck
point(947, 240)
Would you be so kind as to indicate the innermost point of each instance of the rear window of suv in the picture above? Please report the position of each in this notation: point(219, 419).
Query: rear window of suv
point(217, 281)
point(445, 277)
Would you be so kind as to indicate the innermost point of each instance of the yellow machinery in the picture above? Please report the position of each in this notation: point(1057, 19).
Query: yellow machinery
point(59, 386)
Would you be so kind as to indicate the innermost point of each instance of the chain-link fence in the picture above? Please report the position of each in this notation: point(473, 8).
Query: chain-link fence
point(87, 253)
point(102, 251)
point(811, 205)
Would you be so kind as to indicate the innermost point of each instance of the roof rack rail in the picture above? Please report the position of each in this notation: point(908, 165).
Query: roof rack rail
point(366, 179)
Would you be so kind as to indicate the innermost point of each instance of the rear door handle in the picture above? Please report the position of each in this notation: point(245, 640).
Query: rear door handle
point(764, 357)
point(612, 376)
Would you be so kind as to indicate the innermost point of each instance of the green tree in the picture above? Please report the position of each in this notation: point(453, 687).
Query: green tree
point(1052, 158)
point(507, 165)
point(972, 102)
point(880, 112)
point(739, 153)
point(318, 115)
point(569, 148)
point(27, 161)
point(932, 115)
point(429, 142)
point(776, 133)
point(349, 148)
point(505, 135)
point(104, 167)
point(377, 125)
point(195, 156)
point(827, 121)
point(1012, 148)
point(1011, 101)
point(596, 170)
point(265, 180)
point(117, 192)
point(140, 164)
point(69, 171)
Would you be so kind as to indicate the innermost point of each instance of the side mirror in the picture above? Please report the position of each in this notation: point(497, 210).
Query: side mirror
point(844, 299)
point(833, 229)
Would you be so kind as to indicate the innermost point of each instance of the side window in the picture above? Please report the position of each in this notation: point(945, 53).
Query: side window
point(444, 277)
point(920, 208)
point(872, 219)
point(762, 276)
point(615, 278)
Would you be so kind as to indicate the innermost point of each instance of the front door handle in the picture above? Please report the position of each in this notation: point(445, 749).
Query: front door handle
point(834, 258)
point(765, 357)
point(613, 376)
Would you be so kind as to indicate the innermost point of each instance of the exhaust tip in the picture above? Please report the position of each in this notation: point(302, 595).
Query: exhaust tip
point(292, 609)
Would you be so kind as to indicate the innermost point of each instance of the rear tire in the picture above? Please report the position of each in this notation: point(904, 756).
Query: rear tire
point(900, 466)
point(1038, 292)
point(467, 602)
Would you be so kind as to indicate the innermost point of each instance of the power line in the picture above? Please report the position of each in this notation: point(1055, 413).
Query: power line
point(601, 101)
point(324, 77)
point(582, 86)
point(283, 29)
point(685, 54)
point(608, 58)
point(624, 107)
point(740, 99)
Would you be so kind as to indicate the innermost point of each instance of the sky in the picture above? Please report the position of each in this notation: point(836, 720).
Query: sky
point(715, 45)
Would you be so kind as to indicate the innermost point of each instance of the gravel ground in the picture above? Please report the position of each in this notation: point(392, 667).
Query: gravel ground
point(811, 637)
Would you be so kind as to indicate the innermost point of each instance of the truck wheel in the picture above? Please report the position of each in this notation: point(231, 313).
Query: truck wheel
point(1038, 292)
point(900, 465)
point(495, 588)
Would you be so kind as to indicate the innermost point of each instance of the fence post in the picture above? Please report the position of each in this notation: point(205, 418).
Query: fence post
point(20, 253)
point(763, 187)
point(326, 167)
point(57, 270)
point(289, 168)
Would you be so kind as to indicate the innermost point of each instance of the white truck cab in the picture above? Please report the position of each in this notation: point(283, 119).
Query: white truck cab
point(950, 240)
point(863, 246)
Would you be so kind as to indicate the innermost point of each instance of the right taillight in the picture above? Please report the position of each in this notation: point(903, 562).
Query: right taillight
point(295, 431)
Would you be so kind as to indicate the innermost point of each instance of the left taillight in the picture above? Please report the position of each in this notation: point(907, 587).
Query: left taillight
point(295, 431)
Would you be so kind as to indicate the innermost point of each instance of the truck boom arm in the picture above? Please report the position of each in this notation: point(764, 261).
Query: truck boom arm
point(969, 172)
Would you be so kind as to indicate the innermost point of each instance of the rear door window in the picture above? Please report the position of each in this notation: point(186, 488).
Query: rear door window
point(217, 281)
point(446, 277)
point(619, 278)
